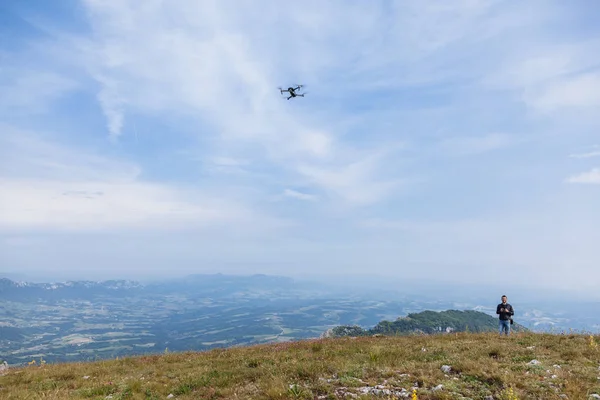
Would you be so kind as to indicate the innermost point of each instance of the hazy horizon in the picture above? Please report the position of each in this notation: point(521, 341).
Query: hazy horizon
point(439, 289)
point(454, 143)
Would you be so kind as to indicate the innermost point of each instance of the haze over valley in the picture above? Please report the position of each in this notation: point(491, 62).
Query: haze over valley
point(88, 320)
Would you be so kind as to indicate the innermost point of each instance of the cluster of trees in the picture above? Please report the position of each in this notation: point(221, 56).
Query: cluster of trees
point(428, 322)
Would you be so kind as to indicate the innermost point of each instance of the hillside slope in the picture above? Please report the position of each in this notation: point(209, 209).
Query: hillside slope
point(452, 366)
point(428, 322)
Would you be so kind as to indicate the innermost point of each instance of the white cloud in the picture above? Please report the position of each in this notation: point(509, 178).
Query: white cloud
point(299, 195)
point(47, 186)
point(227, 165)
point(228, 161)
point(589, 154)
point(580, 91)
point(31, 90)
point(24, 154)
point(97, 206)
point(223, 69)
point(220, 70)
point(530, 67)
point(549, 73)
point(591, 177)
point(112, 105)
point(218, 140)
point(469, 145)
point(355, 184)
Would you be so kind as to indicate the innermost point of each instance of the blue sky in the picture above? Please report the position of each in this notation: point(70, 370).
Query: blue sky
point(452, 141)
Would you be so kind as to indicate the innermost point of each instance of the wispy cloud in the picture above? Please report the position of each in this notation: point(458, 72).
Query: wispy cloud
point(445, 125)
point(580, 91)
point(85, 206)
point(32, 90)
point(591, 177)
point(299, 195)
point(27, 155)
point(47, 186)
point(471, 145)
point(221, 75)
point(588, 154)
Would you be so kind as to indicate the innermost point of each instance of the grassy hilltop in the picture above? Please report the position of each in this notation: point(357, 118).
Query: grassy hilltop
point(480, 365)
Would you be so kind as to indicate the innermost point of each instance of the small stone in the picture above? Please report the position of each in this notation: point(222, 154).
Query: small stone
point(170, 396)
point(446, 368)
point(438, 387)
point(534, 362)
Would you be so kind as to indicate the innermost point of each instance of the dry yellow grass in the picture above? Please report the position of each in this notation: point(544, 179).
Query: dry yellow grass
point(482, 365)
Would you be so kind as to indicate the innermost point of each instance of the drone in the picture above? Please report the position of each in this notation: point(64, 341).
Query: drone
point(292, 91)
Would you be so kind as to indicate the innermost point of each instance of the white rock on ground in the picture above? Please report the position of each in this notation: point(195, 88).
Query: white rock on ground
point(3, 368)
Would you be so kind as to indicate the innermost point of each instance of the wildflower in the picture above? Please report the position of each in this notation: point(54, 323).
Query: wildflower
point(414, 394)
point(509, 394)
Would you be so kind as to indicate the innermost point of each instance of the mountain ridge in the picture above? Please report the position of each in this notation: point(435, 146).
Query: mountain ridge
point(426, 322)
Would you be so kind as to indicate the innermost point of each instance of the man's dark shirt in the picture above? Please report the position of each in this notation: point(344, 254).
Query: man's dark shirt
point(507, 313)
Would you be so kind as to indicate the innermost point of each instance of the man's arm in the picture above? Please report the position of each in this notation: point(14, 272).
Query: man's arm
point(512, 311)
point(498, 309)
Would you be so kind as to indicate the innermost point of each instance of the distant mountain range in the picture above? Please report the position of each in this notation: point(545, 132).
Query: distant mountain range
point(23, 291)
point(215, 285)
point(7, 284)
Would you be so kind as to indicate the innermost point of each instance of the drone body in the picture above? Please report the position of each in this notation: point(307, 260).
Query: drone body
point(293, 91)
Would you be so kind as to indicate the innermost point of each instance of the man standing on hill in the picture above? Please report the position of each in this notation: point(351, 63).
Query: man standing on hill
point(505, 312)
